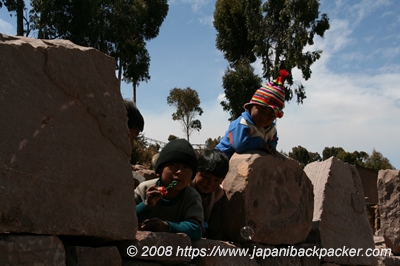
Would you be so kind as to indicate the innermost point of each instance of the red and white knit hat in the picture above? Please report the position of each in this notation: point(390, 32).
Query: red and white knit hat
point(272, 94)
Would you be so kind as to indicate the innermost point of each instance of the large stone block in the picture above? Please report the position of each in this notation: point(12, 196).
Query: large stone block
point(17, 250)
point(340, 218)
point(162, 247)
point(88, 256)
point(389, 207)
point(272, 195)
point(64, 142)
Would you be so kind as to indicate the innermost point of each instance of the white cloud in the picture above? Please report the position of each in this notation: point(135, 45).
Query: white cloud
point(196, 4)
point(6, 28)
point(365, 7)
point(207, 20)
point(214, 123)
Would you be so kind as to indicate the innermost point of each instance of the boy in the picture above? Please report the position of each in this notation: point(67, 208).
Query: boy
point(213, 166)
point(180, 209)
point(255, 128)
point(135, 120)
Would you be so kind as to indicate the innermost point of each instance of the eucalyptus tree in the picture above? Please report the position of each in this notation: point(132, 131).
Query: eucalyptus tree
point(276, 32)
point(187, 104)
point(119, 28)
point(18, 6)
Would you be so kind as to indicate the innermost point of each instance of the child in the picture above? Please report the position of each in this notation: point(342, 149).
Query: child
point(180, 209)
point(255, 128)
point(213, 166)
point(135, 120)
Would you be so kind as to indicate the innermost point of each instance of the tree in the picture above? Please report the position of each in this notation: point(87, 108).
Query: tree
point(211, 143)
point(17, 6)
point(239, 84)
point(187, 104)
point(303, 156)
point(377, 161)
point(332, 151)
point(119, 28)
point(275, 32)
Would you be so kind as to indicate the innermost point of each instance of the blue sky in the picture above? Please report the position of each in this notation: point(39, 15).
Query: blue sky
point(353, 96)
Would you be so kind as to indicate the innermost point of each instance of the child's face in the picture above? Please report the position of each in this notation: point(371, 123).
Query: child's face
point(206, 182)
point(262, 116)
point(182, 173)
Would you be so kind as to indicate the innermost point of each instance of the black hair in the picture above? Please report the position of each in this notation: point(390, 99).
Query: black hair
point(135, 118)
point(213, 162)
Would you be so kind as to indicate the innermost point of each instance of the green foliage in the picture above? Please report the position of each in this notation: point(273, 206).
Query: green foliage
point(239, 84)
point(303, 156)
point(187, 104)
point(119, 28)
point(234, 21)
point(142, 153)
point(276, 32)
point(332, 151)
point(211, 143)
point(377, 161)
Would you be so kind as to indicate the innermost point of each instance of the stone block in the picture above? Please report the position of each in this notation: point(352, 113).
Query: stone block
point(271, 195)
point(64, 149)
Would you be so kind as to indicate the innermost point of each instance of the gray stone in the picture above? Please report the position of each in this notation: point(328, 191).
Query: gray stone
point(272, 195)
point(89, 256)
point(64, 149)
point(339, 211)
point(214, 252)
point(389, 207)
point(24, 250)
point(156, 246)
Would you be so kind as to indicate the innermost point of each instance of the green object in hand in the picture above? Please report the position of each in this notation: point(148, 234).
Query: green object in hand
point(173, 183)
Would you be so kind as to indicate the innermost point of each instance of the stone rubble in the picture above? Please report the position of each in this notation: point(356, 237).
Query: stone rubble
point(66, 185)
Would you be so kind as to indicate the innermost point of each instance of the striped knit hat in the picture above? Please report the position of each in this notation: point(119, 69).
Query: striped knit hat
point(272, 94)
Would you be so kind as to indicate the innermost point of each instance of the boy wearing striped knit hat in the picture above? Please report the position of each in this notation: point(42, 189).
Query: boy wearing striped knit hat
point(256, 127)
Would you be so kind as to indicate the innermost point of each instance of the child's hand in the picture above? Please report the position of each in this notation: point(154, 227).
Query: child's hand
point(152, 196)
point(155, 225)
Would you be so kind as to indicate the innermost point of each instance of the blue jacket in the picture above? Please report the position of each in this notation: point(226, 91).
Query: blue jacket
point(243, 135)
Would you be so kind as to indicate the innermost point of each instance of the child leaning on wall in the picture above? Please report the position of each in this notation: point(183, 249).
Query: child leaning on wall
point(179, 210)
point(256, 127)
point(213, 166)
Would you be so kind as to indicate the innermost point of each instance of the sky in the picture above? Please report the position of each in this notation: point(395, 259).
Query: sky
point(353, 95)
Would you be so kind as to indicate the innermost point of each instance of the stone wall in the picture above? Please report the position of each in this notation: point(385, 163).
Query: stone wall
point(64, 149)
point(66, 185)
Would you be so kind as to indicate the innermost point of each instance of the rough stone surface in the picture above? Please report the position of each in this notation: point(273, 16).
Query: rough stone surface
point(389, 261)
point(64, 149)
point(89, 256)
point(280, 261)
point(17, 250)
point(389, 207)
point(134, 262)
point(270, 194)
point(368, 179)
point(339, 210)
point(154, 246)
point(214, 247)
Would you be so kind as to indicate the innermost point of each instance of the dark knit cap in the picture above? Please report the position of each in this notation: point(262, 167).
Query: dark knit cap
point(178, 151)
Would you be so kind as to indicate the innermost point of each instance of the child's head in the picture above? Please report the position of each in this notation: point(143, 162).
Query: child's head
point(135, 120)
point(270, 97)
point(177, 161)
point(213, 167)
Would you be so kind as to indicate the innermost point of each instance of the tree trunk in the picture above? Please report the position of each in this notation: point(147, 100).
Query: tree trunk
point(20, 17)
point(119, 72)
point(134, 92)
